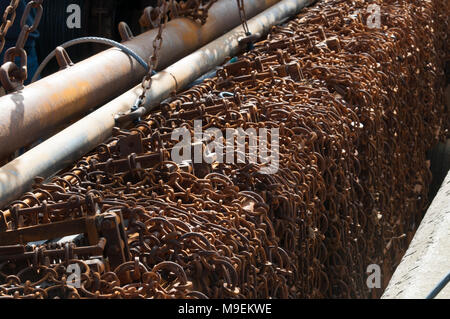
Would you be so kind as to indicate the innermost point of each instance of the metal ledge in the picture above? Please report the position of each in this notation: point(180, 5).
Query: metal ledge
point(427, 260)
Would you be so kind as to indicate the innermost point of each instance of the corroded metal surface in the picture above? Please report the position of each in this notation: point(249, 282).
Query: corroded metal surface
point(350, 103)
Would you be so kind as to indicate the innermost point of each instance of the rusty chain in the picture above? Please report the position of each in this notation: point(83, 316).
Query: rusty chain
point(350, 103)
point(8, 20)
point(13, 76)
point(157, 18)
point(197, 10)
point(243, 16)
point(161, 21)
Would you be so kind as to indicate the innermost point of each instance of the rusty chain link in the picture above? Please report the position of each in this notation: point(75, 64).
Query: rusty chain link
point(243, 16)
point(197, 10)
point(161, 21)
point(13, 76)
point(350, 103)
point(7, 21)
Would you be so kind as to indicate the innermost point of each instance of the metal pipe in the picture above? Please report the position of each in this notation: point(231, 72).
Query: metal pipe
point(43, 106)
point(69, 145)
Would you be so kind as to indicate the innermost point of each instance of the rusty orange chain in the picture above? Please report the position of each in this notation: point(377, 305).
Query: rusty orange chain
point(196, 10)
point(161, 21)
point(12, 76)
point(243, 16)
point(8, 20)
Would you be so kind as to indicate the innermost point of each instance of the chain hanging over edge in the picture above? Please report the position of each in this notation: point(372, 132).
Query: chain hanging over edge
point(13, 76)
point(9, 16)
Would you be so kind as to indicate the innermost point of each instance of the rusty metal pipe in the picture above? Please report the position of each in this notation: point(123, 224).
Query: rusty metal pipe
point(41, 107)
point(63, 149)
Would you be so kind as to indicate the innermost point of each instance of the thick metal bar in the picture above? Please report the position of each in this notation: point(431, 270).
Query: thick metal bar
point(18, 253)
point(63, 149)
point(41, 107)
point(40, 232)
